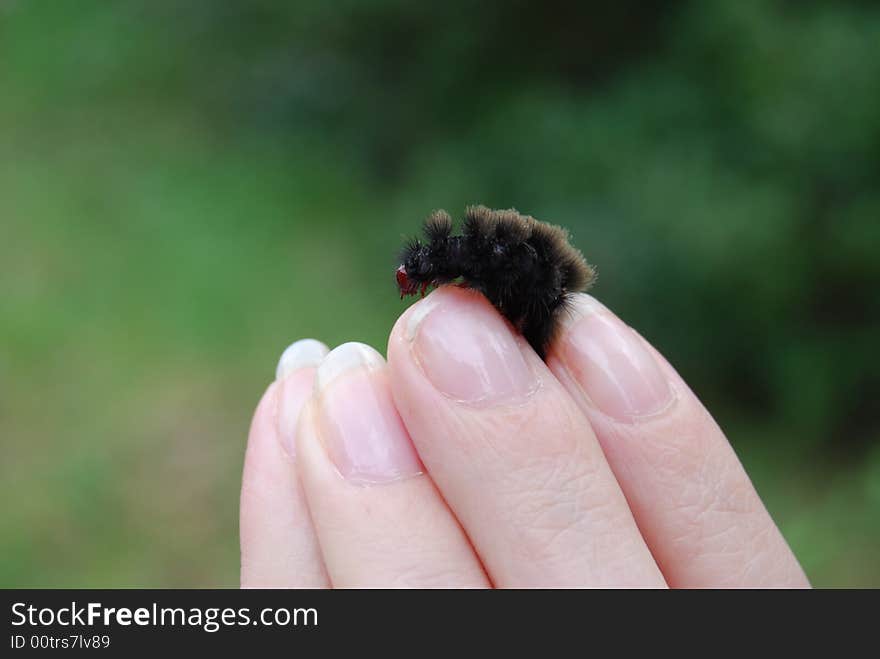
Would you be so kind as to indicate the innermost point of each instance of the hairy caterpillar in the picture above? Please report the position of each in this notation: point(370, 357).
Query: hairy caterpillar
point(526, 268)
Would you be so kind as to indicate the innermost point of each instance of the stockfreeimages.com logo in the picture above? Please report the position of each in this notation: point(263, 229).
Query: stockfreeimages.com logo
point(209, 619)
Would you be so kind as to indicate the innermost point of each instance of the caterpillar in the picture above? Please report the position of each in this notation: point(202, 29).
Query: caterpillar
point(526, 268)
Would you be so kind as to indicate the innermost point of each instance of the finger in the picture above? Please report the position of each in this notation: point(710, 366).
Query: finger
point(380, 520)
point(691, 497)
point(510, 451)
point(278, 543)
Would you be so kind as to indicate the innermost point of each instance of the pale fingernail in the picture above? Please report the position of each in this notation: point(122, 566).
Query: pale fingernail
point(610, 363)
point(300, 358)
point(467, 350)
point(358, 422)
point(306, 352)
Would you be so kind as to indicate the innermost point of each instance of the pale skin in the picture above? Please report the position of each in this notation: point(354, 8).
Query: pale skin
point(467, 461)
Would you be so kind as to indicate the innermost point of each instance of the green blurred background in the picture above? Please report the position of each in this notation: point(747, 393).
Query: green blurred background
point(187, 187)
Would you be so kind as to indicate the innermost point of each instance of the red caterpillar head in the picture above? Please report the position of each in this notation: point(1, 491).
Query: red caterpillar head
point(406, 285)
point(430, 263)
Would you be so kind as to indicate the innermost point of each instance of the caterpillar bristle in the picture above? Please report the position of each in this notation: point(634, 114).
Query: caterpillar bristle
point(438, 226)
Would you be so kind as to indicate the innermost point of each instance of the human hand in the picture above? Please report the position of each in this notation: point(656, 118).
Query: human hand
point(466, 461)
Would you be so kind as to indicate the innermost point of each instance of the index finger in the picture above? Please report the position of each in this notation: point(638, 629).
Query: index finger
point(510, 451)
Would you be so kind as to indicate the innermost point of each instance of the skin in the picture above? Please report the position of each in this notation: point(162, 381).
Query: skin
point(466, 461)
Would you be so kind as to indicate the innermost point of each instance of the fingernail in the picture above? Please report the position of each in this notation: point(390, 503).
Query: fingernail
point(298, 362)
point(358, 422)
point(611, 364)
point(306, 352)
point(466, 349)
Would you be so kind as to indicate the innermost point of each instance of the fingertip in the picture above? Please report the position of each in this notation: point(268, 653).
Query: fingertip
point(344, 358)
point(295, 375)
point(613, 368)
point(467, 300)
point(356, 419)
point(405, 327)
point(300, 354)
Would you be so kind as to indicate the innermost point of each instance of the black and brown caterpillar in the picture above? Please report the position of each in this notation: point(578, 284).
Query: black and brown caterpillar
point(526, 268)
